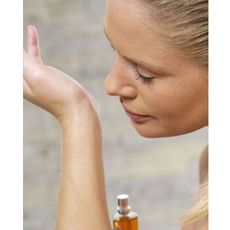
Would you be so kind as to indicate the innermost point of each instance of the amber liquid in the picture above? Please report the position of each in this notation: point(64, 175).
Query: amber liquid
point(126, 223)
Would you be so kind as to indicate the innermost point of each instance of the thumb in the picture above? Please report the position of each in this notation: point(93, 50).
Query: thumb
point(29, 66)
point(33, 48)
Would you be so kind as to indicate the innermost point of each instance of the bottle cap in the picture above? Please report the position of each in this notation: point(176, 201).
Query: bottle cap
point(123, 204)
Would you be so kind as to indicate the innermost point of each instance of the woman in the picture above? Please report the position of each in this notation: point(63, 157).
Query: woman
point(160, 76)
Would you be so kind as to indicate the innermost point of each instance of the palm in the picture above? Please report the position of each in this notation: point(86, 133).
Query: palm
point(47, 86)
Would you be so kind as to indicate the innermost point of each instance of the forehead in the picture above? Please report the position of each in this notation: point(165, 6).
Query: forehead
point(129, 29)
point(127, 20)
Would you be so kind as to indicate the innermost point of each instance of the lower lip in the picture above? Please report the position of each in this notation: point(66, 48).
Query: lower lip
point(137, 118)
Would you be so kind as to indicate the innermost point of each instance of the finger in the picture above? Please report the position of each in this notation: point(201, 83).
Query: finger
point(27, 93)
point(33, 48)
point(29, 66)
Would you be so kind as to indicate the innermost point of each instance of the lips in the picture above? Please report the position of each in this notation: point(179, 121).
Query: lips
point(135, 114)
point(137, 117)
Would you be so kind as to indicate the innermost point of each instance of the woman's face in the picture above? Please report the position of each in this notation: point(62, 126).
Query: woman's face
point(172, 97)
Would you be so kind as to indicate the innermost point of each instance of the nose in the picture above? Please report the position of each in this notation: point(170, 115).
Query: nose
point(119, 81)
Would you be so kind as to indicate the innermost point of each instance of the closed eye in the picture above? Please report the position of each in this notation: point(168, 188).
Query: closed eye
point(144, 79)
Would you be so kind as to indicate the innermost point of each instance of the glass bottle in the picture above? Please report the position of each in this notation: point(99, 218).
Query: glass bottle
point(124, 218)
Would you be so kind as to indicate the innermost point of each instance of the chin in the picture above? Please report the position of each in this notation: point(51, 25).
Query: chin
point(149, 133)
point(152, 134)
point(157, 132)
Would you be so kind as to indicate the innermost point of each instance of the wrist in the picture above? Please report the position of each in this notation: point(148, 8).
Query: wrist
point(84, 114)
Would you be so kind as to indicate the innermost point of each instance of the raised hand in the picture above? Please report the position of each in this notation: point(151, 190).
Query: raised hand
point(82, 176)
point(48, 87)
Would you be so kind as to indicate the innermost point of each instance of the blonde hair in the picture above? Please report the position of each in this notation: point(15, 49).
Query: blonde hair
point(183, 24)
point(199, 210)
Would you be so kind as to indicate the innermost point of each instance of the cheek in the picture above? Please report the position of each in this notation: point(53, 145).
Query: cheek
point(164, 101)
point(178, 109)
point(172, 97)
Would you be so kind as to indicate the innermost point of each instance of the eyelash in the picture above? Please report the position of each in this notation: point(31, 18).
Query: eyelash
point(111, 45)
point(143, 79)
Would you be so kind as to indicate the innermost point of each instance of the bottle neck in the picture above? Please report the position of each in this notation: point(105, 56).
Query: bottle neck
point(123, 207)
point(123, 210)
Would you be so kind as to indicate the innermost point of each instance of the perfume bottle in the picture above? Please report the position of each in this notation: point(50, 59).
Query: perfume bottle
point(124, 218)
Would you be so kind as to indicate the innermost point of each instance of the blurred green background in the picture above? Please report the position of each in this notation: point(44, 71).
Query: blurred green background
point(160, 175)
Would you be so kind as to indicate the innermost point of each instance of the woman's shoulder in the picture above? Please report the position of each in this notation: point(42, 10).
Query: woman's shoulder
point(199, 225)
point(203, 165)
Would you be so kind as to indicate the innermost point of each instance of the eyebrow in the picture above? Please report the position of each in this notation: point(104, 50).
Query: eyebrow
point(140, 63)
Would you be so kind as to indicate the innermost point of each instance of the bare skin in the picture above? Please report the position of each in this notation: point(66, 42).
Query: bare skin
point(200, 225)
point(203, 223)
point(82, 176)
point(204, 165)
point(174, 103)
point(177, 98)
